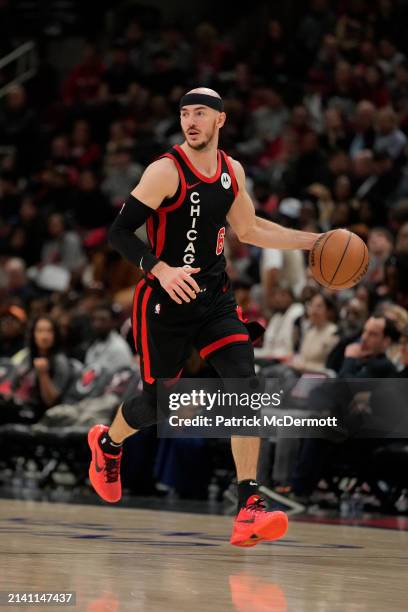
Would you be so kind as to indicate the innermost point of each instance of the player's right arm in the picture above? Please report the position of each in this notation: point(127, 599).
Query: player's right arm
point(159, 181)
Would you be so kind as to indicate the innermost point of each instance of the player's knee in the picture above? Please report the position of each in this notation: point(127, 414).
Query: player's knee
point(140, 411)
point(234, 361)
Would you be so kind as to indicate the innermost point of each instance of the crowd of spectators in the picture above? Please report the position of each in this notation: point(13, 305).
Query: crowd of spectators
point(319, 118)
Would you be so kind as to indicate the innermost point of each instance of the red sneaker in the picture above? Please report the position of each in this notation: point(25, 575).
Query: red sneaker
point(104, 471)
point(254, 523)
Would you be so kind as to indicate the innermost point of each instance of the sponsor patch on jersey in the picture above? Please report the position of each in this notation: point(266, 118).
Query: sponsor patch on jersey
point(157, 309)
point(225, 180)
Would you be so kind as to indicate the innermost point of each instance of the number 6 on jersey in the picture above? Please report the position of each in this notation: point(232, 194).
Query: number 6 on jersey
point(220, 241)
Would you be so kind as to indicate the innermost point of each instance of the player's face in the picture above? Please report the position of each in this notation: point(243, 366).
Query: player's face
point(200, 125)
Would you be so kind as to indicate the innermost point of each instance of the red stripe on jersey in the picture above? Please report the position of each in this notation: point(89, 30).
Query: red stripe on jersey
point(232, 173)
point(183, 190)
point(161, 232)
point(150, 231)
point(202, 177)
point(145, 341)
point(214, 346)
point(139, 286)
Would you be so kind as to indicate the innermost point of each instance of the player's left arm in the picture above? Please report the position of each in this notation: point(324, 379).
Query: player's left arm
point(260, 232)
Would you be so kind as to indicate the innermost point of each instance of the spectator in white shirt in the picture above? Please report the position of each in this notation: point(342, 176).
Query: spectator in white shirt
point(108, 350)
point(286, 266)
point(279, 335)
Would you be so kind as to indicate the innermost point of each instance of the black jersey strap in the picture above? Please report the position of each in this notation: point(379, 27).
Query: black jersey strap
point(123, 239)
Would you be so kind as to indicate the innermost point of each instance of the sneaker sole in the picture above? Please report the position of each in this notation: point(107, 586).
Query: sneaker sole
point(273, 528)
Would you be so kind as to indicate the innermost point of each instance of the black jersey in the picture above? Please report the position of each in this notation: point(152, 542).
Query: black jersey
point(189, 228)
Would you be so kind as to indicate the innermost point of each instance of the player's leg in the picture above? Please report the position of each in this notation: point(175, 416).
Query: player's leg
point(236, 360)
point(254, 521)
point(161, 356)
point(106, 442)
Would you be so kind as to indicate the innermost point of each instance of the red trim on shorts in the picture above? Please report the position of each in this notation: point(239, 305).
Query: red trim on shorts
point(232, 174)
point(138, 287)
point(145, 343)
point(183, 189)
point(202, 177)
point(214, 346)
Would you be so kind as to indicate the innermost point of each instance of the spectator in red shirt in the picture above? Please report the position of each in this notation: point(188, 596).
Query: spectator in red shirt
point(82, 84)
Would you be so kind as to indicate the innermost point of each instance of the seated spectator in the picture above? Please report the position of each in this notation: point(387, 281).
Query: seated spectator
point(13, 321)
point(380, 245)
point(32, 224)
point(108, 349)
point(118, 140)
point(121, 73)
point(363, 360)
point(334, 136)
point(9, 196)
point(84, 150)
point(91, 207)
point(353, 315)
point(404, 353)
point(279, 335)
point(390, 139)
point(284, 266)
point(82, 83)
point(122, 177)
point(42, 376)
point(364, 133)
point(396, 314)
point(17, 283)
point(367, 357)
point(63, 247)
point(320, 337)
point(395, 285)
point(19, 128)
point(399, 316)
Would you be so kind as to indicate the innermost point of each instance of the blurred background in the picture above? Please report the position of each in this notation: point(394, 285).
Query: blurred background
point(316, 96)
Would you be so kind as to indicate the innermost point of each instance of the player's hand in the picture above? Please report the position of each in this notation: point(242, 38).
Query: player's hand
point(177, 282)
point(41, 364)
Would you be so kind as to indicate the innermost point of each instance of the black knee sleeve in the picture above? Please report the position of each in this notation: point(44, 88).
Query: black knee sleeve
point(234, 361)
point(237, 361)
point(141, 411)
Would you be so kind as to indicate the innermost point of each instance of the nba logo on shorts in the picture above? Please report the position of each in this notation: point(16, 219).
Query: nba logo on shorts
point(157, 309)
point(225, 180)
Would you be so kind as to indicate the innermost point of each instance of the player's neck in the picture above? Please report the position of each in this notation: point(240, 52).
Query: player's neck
point(206, 161)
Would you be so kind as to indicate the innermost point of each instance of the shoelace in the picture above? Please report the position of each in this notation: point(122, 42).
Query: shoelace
point(257, 506)
point(112, 469)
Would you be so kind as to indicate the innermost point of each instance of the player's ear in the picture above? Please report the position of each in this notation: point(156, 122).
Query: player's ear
point(221, 119)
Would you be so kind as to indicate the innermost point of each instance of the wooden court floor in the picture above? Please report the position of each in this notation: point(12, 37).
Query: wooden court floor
point(120, 559)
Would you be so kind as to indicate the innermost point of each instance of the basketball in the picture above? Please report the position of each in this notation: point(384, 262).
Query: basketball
point(338, 259)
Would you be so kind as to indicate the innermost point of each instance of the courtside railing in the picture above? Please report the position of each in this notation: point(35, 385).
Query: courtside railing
point(25, 57)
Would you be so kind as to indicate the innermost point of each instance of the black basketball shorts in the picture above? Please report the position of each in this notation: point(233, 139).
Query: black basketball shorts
point(165, 332)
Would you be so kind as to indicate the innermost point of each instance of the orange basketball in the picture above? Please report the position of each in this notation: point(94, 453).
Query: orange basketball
point(338, 259)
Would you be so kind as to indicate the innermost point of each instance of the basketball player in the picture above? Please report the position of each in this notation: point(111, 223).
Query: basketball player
point(184, 300)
